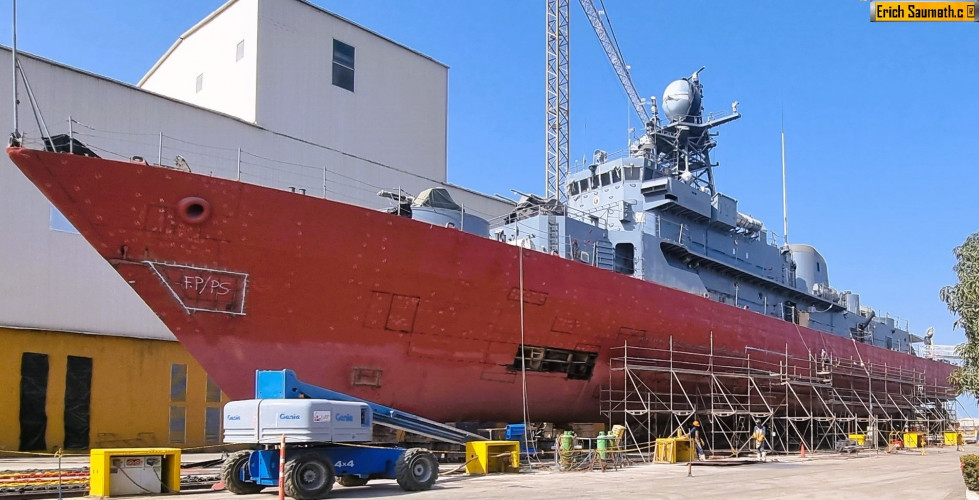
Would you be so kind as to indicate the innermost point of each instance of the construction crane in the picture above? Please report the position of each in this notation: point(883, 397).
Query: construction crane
point(611, 47)
point(558, 99)
point(558, 87)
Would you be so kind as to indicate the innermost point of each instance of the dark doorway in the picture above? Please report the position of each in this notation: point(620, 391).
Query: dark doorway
point(78, 395)
point(33, 398)
point(625, 258)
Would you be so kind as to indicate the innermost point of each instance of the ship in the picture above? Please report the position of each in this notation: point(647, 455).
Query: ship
point(430, 309)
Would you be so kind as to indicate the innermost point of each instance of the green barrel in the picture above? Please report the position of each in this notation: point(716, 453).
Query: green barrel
point(602, 445)
point(567, 441)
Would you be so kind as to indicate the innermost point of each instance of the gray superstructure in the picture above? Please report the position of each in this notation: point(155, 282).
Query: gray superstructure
point(656, 215)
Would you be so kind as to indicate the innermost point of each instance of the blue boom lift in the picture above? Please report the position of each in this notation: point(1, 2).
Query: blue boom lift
point(315, 423)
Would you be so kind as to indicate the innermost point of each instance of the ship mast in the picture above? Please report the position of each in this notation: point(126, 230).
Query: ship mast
point(785, 203)
point(681, 147)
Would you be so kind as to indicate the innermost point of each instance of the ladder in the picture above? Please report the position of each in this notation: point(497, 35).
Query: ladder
point(553, 238)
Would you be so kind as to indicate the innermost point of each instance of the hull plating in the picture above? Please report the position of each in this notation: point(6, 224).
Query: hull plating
point(423, 318)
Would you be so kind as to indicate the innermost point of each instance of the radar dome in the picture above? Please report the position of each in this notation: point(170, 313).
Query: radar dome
point(681, 99)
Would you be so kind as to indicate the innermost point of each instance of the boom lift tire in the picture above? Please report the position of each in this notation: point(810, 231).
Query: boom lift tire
point(308, 476)
point(416, 470)
point(350, 480)
point(231, 474)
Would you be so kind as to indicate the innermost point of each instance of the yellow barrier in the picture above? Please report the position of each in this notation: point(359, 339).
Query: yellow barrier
point(483, 457)
point(859, 438)
point(104, 461)
point(914, 440)
point(675, 449)
point(954, 439)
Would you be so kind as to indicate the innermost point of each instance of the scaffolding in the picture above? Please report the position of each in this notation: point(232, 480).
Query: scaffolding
point(815, 403)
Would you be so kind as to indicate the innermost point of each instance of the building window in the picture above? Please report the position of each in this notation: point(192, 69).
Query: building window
point(212, 425)
point(178, 383)
point(240, 51)
point(200, 82)
point(213, 393)
point(178, 425)
point(343, 65)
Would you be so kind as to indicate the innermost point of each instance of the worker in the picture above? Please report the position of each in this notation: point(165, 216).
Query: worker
point(697, 439)
point(758, 437)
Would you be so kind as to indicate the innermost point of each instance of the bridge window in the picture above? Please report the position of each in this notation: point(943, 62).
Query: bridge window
point(606, 179)
point(647, 174)
point(573, 188)
point(632, 173)
point(616, 175)
point(584, 185)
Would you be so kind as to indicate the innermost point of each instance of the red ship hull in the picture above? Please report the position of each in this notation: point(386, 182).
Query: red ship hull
point(422, 318)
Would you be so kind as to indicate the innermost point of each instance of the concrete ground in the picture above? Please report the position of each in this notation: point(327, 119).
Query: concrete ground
point(905, 475)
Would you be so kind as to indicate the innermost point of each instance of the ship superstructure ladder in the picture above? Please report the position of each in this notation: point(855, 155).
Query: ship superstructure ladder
point(811, 402)
point(275, 384)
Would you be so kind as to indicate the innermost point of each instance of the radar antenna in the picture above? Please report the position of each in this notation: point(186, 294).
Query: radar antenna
point(681, 148)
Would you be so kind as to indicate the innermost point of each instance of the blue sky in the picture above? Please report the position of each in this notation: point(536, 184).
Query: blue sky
point(879, 116)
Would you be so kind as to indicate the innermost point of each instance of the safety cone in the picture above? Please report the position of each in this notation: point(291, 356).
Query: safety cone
point(802, 450)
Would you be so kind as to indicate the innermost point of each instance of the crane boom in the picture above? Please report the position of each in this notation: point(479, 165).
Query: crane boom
point(615, 58)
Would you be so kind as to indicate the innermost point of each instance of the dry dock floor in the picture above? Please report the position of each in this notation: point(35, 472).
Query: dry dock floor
point(905, 475)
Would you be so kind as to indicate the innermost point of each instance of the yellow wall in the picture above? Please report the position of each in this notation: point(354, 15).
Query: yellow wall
point(130, 400)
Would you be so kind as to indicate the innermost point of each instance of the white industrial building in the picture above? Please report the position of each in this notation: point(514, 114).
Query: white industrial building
point(271, 92)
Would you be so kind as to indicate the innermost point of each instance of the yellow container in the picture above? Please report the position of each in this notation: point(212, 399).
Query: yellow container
point(859, 438)
point(954, 439)
point(914, 440)
point(100, 464)
point(672, 450)
point(483, 457)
